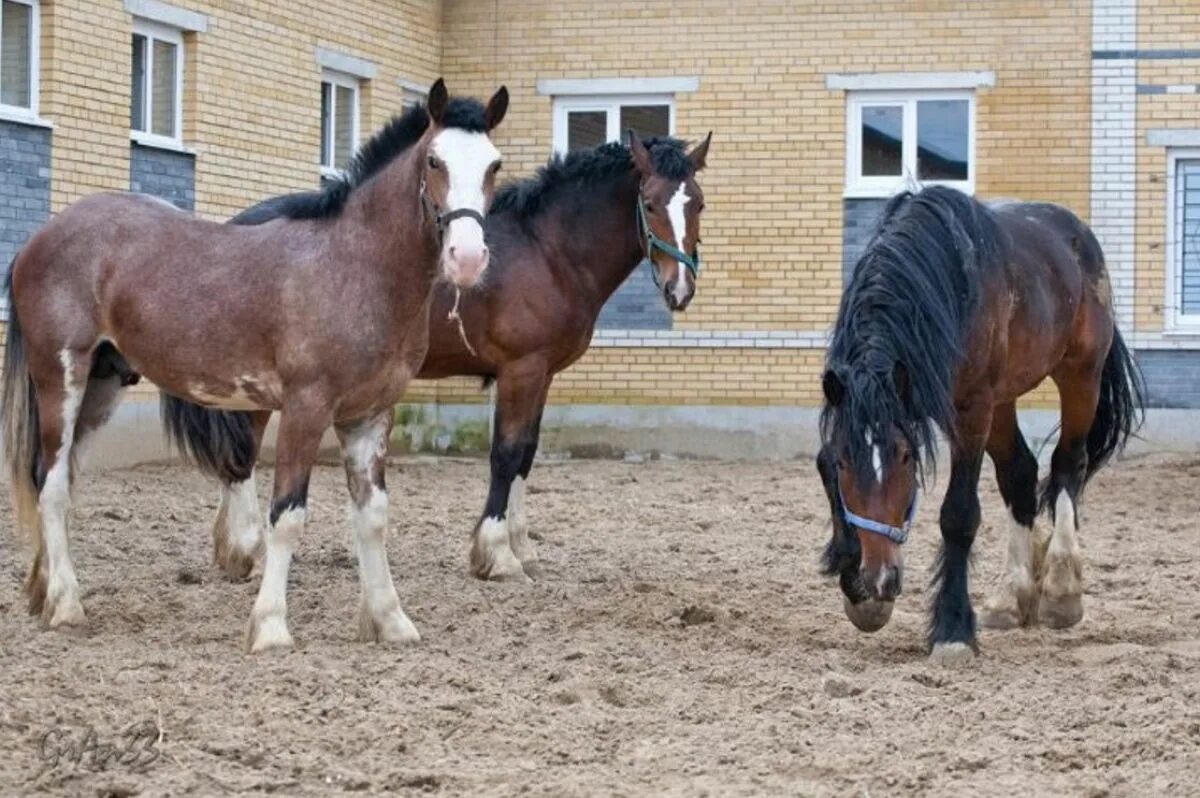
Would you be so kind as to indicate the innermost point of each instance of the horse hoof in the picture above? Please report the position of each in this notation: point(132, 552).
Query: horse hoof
point(69, 617)
point(1061, 612)
point(518, 577)
point(394, 628)
point(269, 633)
point(951, 655)
point(869, 615)
point(237, 566)
point(1000, 618)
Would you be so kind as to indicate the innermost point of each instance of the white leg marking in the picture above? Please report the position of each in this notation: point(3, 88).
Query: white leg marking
point(1061, 603)
point(518, 528)
point(381, 617)
point(492, 556)
point(1014, 600)
point(951, 654)
point(268, 620)
point(245, 520)
point(62, 587)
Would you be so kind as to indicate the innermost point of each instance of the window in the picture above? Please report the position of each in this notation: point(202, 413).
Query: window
point(19, 57)
point(581, 123)
point(895, 138)
point(155, 112)
point(1183, 238)
point(339, 121)
point(412, 95)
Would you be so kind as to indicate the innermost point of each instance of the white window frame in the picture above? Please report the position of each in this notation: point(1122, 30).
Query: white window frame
point(611, 105)
point(166, 33)
point(353, 83)
point(19, 113)
point(860, 186)
point(1176, 319)
point(413, 93)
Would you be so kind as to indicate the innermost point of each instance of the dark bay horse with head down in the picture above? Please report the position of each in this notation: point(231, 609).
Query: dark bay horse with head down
point(323, 318)
point(562, 242)
point(955, 310)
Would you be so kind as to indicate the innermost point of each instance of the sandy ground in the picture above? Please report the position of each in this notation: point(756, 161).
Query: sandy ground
point(681, 642)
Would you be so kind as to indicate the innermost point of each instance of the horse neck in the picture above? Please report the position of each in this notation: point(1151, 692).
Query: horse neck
point(600, 238)
point(388, 224)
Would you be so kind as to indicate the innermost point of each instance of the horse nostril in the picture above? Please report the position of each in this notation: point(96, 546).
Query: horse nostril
point(453, 253)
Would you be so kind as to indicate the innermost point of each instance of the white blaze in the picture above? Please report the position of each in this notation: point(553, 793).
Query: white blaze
point(467, 157)
point(678, 221)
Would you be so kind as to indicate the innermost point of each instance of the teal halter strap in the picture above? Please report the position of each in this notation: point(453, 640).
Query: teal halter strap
point(653, 242)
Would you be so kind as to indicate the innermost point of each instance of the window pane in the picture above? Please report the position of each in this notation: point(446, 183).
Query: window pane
point(343, 148)
point(586, 129)
point(646, 120)
point(882, 140)
point(14, 53)
point(137, 93)
point(326, 126)
point(1187, 187)
point(942, 139)
point(163, 88)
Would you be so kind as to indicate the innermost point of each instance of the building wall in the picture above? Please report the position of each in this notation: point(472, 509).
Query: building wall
point(773, 232)
point(24, 185)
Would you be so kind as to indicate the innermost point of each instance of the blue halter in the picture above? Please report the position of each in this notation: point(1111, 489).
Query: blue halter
point(896, 534)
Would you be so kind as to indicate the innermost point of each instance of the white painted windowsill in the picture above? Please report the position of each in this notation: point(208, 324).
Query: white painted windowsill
point(159, 142)
point(24, 117)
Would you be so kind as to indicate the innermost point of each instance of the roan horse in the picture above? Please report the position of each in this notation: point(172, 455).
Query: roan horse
point(954, 311)
point(562, 243)
point(324, 318)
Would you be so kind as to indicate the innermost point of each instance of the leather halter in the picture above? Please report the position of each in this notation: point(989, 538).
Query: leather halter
point(896, 534)
point(651, 242)
point(442, 219)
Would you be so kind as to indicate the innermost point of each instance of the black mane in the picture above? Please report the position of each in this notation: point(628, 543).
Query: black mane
point(909, 304)
point(394, 138)
point(528, 196)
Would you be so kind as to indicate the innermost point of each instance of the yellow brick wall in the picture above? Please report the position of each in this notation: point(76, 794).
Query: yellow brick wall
point(251, 107)
point(773, 227)
point(1168, 24)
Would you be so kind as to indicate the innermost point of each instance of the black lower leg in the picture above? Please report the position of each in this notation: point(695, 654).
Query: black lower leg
point(1018, 484)
point(508, 456)
point(953, 620)
point(296, 498)
point(1068, 469)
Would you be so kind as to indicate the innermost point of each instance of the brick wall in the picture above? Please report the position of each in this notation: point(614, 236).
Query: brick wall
point(24, 185)
point(1172, 377)
point(773, 231)
point(165, 174)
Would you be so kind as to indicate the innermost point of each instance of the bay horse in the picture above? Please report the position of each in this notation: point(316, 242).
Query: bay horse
point(954, 311)
point(562, 242)
point(323, 318)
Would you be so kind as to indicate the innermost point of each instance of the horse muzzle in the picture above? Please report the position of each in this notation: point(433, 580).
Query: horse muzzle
point(868, 615)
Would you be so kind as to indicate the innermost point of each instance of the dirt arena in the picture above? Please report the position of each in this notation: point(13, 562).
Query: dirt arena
point(681, 642)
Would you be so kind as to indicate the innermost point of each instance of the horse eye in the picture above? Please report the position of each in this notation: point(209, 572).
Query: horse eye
point(701, 208)
point(434, 163)
point(496, 167)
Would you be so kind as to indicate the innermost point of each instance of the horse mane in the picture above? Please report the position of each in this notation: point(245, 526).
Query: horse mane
point(902, 324)
point(393, 139)
point(529, 196)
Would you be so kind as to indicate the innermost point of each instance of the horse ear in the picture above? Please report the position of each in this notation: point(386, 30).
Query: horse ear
point(700, 152)
point(641, 155)
point(901, 382)
point(493, 115)
point(834, 390)
point(438, 97)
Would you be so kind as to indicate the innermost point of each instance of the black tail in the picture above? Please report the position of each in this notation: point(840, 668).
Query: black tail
point(219, 442)
point(1120, 411)
point(22, 427)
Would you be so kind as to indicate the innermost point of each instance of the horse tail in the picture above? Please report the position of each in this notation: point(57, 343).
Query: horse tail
point(219, 442)
point(22, 430)
point(1121, 408)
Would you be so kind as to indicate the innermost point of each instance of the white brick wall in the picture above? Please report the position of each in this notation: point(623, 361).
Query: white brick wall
point(1114, 142)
